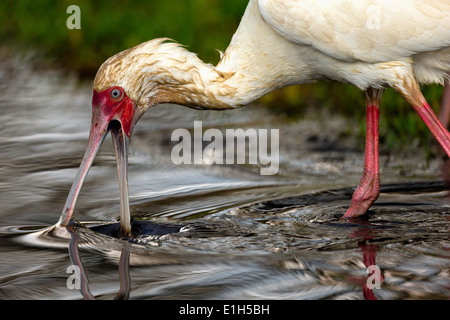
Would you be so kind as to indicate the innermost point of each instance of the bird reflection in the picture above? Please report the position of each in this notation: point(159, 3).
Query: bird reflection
point(366, 232)
point(124, 270)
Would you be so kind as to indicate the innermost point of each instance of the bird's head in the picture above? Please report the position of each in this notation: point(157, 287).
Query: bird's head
point(125, 86)
point(129, 83)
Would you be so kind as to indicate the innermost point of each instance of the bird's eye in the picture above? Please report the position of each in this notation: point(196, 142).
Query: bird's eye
point(116, 94)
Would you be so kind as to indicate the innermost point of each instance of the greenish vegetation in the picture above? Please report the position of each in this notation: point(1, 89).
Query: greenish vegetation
point(400, 126)
point(108, 27)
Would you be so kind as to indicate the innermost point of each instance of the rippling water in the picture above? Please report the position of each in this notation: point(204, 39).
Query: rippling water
point(206, 232)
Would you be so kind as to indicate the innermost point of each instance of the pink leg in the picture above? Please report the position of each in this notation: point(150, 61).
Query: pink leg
point(368, 189)
point(436, 127)
point(444, 111)
point(411, 92)
point(444, 117)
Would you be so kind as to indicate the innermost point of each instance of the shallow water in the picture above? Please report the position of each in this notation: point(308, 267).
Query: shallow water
point(231, 232)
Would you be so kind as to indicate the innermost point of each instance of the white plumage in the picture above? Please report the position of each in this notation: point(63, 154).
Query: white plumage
point(367, 43)
point(362, 30)
point(361, 42)
point(372, 44)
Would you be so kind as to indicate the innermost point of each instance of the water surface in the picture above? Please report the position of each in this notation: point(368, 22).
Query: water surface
point(209, 232)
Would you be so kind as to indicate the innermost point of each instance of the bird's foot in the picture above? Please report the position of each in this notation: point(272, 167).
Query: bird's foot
point(357, 208)
point(363, 197)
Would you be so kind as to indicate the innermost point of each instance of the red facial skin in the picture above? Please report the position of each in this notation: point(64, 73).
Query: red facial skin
point(106, 107)
point(121, 109)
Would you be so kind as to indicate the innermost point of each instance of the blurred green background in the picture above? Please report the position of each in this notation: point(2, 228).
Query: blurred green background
point(108, 27)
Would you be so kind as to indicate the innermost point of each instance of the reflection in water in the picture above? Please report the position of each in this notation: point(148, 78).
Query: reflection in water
point(124, 274)
point(207, 232)
point(375, 278)
point(368, 251)
point(139, 229)
point(74, 254)
point(272, 249)
point(124, 268)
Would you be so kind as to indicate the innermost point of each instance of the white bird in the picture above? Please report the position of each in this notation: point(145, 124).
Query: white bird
point(372, 44)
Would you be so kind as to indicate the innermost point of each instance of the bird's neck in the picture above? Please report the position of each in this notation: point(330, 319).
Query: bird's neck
point(251, 67)
point(193, 83)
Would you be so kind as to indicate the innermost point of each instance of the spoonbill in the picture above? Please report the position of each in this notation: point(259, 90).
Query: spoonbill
point(372, 44)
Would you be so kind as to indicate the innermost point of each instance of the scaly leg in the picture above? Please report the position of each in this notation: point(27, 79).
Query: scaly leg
point(444, 111)
point(444, 117)
point(411, 92)
point(368, 189)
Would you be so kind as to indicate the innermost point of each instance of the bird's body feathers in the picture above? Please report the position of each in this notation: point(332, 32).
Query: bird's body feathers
point(287, 42)
point(370, 44)
point(362, 30)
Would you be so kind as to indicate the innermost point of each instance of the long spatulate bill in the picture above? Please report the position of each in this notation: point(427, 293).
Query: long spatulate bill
point(99, 130)
point(120, 142)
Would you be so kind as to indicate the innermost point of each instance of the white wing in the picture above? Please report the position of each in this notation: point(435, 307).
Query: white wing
point(365, 30)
